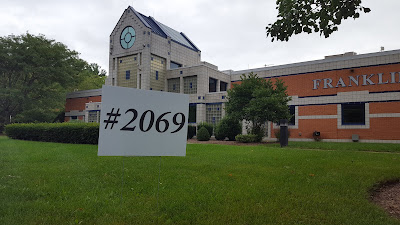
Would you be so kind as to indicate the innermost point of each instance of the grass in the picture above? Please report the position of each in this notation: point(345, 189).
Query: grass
point(51, 183)
point(353, 146)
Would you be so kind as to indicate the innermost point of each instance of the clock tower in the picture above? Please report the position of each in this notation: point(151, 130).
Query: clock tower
point(142, 50)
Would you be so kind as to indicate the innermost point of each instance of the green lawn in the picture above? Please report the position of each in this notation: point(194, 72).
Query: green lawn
point(355, 146)
point(50, 183)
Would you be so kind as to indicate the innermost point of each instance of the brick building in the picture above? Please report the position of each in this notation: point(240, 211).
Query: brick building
point(343, 97)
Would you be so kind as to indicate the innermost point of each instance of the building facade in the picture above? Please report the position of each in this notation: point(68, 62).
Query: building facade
point(343, 97)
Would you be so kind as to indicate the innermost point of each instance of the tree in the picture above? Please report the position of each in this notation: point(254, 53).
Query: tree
point(258, 100)
point(35, 75)
point(92, 77)
point(306, 16)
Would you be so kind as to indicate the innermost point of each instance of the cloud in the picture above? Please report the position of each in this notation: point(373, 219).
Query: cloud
point(230, 33)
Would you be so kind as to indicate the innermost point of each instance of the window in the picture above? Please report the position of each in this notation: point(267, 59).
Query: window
point(174, 85)
point(223, 86)
point(190, 85)
point(192, 113)
point(94, 116)
point(128, 75)
point(156, 75)
point(212, 84)
point(213, 113)
point(353, 114)
point(174, 65)
point(74, 117)
point(292, 111)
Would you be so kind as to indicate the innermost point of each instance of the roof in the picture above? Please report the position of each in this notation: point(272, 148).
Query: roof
point(165, 31)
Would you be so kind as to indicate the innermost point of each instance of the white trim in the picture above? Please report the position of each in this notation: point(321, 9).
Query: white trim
point(345, 97)
point(337, 140)
point(384, 115)
point(318, 117)
point(330, 63)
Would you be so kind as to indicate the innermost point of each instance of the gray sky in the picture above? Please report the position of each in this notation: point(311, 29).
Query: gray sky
point(230, 33)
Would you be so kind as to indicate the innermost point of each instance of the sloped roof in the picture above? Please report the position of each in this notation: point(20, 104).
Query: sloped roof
point(165, 31)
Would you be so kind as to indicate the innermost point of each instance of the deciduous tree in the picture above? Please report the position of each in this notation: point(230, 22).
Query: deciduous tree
point(307, 16)
point(35, 75)
point(258, 100)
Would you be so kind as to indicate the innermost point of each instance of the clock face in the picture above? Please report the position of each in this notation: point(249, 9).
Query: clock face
point(128, 37)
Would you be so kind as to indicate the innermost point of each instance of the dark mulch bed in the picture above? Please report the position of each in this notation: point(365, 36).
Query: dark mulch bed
point(387, 195)
point(214, 141)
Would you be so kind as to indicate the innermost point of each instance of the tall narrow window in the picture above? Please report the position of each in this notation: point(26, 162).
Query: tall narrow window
point(156, 75)
point(292, 110)
point(223, 86)
point(128, 75)
point(212, 85)
point(192, 113)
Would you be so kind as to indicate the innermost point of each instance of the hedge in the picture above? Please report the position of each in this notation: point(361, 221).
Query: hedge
point(208, 126)
point(227, 127)
point(247, 138)
point(202, 134)
point(77, 133)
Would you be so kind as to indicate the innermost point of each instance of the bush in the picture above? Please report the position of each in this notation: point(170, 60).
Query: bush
point(77, 133)
point(191, 131)
point(219, 134)
point(228, 127)
point(203, 135)
point(208, 126)
point(247, 138)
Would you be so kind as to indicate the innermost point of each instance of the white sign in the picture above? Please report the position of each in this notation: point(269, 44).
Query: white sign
point(136, 122)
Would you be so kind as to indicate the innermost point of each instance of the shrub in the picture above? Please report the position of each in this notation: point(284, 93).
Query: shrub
point(228, 127)
point(77, 133)
point(203, 135)
point(208, 126)
point(219, 135)
point(247, 138)
point(191, 131)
